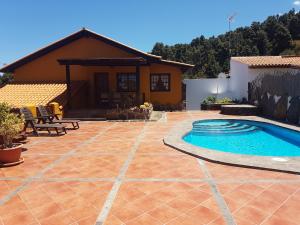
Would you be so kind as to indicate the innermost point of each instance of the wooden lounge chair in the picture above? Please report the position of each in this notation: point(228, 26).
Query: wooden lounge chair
point(29, 119)
point(46, 117)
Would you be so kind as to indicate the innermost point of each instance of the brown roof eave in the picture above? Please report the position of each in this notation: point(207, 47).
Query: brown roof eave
point(268, 66)
point(103, 61)
point(295, 67)
point(183, 66)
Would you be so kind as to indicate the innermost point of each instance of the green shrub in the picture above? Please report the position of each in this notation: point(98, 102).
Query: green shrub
point(10, 125)
point(224, 100)
point(213, 99)
point(209, 100)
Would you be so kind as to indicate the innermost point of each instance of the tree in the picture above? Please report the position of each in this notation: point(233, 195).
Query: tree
point(262, 42)
point(282, 40)
point(276, 35)
point(6, 78)
point(294, 27)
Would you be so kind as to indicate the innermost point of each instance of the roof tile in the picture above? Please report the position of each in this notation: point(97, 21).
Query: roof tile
point(269, 61)
point(22, 94)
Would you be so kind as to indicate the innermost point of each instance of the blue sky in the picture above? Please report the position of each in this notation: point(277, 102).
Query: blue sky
point(32, 24)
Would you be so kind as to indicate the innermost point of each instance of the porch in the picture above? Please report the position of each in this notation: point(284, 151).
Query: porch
point(111, 82)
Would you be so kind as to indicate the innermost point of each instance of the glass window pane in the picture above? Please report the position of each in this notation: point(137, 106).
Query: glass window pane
point(160, 82)
point(126, 82)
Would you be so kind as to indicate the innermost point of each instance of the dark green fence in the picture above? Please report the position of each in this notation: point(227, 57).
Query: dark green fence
point(278, 95)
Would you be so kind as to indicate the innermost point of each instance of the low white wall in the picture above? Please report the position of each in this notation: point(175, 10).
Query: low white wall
point(235, 87)
point(198, 89)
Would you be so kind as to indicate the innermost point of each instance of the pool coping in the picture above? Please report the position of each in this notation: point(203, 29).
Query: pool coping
point(174, 140)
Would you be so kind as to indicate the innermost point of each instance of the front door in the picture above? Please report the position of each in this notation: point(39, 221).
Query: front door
point(101, 89)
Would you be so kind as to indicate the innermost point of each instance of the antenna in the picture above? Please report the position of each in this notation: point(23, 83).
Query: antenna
point(230, 20)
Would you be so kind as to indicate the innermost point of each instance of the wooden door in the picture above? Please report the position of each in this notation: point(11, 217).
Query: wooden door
point(101, 88)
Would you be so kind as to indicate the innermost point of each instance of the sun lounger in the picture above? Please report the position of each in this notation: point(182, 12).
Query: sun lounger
point(46, 117)
point(30, 120)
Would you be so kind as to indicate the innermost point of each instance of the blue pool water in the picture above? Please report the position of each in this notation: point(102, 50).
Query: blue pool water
point(244, 137)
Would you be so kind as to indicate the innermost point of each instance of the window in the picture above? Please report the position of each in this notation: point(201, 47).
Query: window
point(160, 82)
point(126, 82)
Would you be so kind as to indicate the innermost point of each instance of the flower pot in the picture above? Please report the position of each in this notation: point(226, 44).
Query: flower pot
point(11, 155)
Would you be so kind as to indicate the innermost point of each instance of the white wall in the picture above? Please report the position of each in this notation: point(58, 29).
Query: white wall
point(239, 75)
point(198, 89)
point(235, 87)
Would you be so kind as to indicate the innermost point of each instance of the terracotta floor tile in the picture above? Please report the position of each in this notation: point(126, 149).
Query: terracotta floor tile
point(31, 166)
point(62, 217)
point(274, 220)
point(13, 206)
point(218, 221)
point(157, 202)
point(23, 217)
point(154, 166)
point(211, 204)
point(273, 196)
point(82, 211)
point(6, 187)
point(251, 189)
point(144, 219)
point(164, 213)
point(151, 187)
point(186, 220)
point(126, 212)
point(240, 221)
point(46, 210)
point(182, 204)
point(164, 195)
point(253, 214)
point(289, 210)
point(196, 195)
point(112, 220)
point(263, 205)
point(203, 214)
point(130, 193)
point(84, 166)
point(86, 221)
point(239, 196)
point(147, 203)
point(233, 204)
point(226, 188)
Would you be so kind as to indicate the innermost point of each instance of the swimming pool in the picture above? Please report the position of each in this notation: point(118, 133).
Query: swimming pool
point(244, 137)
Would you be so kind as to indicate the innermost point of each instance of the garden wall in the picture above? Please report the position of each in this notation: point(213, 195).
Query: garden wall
point(278, 95)
point(198, 89)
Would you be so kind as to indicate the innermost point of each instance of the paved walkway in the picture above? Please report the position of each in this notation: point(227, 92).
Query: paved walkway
point(121, 173)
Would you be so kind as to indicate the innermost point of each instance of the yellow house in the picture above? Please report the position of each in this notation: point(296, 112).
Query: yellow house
point(85, 69)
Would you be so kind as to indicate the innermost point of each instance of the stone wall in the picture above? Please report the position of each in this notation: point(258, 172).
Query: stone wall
point(278, 95)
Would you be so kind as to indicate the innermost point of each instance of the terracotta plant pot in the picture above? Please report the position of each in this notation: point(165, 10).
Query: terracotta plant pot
point(11, 155)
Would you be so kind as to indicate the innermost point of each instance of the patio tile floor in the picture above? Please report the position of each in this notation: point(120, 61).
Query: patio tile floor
point(121, 173)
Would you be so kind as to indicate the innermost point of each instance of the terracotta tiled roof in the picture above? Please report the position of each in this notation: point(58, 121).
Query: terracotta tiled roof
point(21, 94)
point(269, 61)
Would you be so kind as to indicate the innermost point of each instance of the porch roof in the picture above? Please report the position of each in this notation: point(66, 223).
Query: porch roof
point(135, 61)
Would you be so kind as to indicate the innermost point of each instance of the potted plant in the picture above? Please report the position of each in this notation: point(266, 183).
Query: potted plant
point(11, 124)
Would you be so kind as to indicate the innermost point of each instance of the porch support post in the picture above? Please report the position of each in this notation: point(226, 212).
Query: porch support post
point(68, 81)
point(137, 72)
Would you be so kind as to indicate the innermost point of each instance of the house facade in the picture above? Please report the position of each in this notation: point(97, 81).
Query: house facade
point(99, 66)
point(246, 69)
